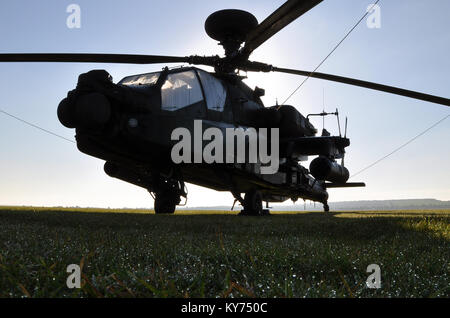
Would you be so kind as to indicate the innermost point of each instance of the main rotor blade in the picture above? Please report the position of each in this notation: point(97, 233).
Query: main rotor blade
point(93, 58)
point(374, 86)
point(288, 12)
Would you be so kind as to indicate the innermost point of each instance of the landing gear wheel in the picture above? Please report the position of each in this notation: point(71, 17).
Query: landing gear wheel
point(326, 207)
point(167, 194)
point(164, 203)
point(253, 204)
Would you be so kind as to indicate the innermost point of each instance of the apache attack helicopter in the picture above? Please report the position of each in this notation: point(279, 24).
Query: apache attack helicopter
point(130, 124)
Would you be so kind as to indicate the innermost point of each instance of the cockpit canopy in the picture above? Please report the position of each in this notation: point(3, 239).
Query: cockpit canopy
point(183, 88)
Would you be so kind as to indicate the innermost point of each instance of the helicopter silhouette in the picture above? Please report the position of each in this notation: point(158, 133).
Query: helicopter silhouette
point(132, 124)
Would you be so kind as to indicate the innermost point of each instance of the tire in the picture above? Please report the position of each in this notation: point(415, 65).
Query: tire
point(164, 204)
point(253, 204)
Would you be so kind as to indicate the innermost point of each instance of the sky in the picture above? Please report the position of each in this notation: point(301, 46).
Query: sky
point(409, 50)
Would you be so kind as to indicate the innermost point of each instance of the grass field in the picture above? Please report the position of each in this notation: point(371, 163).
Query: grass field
point(128, 253)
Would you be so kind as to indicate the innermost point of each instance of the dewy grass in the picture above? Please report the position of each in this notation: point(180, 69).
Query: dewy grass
point(133, 253)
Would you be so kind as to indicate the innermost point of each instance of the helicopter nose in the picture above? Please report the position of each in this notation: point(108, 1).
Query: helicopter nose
point(93, 110)
point(90, 111)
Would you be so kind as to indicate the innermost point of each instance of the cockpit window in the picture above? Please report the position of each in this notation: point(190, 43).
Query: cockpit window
point(215, 92)
point(141, 79)
point(180, 90)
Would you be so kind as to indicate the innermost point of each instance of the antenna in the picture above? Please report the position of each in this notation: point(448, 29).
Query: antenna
point(346, 121)
point(323, 114)
point(323, 107)
point(339, 124)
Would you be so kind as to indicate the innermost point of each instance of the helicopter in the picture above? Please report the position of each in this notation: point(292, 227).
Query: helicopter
point(131, 124)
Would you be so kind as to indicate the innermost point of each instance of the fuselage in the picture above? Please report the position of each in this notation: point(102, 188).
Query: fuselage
point(134, 131)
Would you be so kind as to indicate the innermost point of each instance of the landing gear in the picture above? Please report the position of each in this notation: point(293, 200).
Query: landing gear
point(168, 196)
point(326, 207)
point(253, 203)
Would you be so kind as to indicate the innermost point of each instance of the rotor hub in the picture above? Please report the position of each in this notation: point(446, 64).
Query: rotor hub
point(231, 28)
